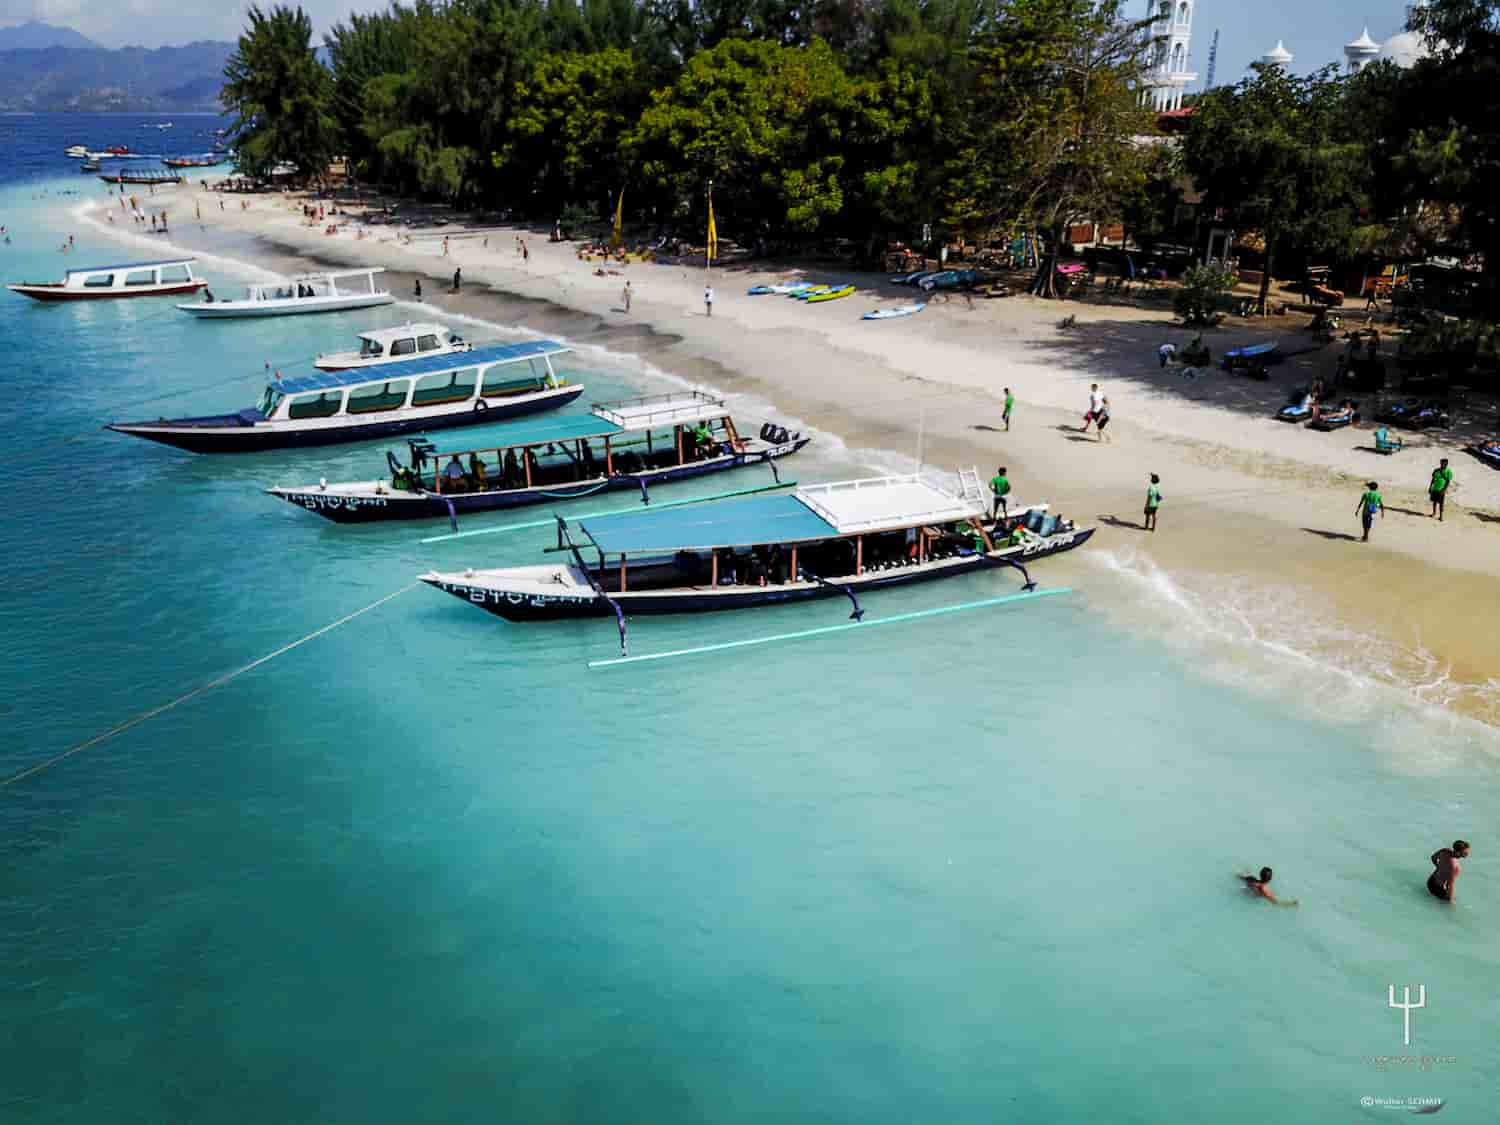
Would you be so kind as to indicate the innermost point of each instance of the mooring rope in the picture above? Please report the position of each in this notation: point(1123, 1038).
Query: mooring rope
point(121, 728)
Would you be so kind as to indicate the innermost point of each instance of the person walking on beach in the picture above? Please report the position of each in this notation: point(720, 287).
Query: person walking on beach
point(1445, 869)
point(1370, 503)
point(1153, 502)
point(445, 248)
point(708, 299)
point(1101, 418)
point(1000, 488)
point(458, 279)
point(416, 289)
point(1096, 400)
point(1437, 491)
point(525, 253)
point(1260, 887)
point(1010, 402)
point(625, 296)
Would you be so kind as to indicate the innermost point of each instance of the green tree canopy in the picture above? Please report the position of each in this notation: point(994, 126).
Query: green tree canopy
point(279, 94)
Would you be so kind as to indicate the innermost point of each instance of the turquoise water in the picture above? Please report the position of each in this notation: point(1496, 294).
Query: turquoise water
point(429, 867)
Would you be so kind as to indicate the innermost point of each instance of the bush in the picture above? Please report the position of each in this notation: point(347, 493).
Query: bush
point(1197, 302)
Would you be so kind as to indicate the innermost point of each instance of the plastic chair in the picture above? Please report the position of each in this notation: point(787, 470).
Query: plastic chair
point(1384, 443)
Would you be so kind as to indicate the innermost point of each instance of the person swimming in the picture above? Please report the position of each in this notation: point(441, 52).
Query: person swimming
point(1440, 884)
point(1260, 886)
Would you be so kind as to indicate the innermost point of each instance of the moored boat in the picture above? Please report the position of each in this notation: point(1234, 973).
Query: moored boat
point(328, 407)
point(207, 160)
point(310, 293)
point(141, 177)
point(132, 279)
point(630, 444)
point(820, 541)
point(390, 345)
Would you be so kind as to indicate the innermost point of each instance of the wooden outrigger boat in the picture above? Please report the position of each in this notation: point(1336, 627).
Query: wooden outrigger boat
point(630, 444)
point(132, 279)
point(311, 293)
point(380, 346)
point(824, 540)
point(153, 178)
point(328, 407)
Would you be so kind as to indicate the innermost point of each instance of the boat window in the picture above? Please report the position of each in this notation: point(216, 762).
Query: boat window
point(316, 405)
point(174, 274)
point(427, 343)
point(447, 386)
point(378, 396)
point(270, 401)
point(370, 349)
point(407, 346)
point(99, 281)
point(139, 277)
point(503, 379)
point(538, 368)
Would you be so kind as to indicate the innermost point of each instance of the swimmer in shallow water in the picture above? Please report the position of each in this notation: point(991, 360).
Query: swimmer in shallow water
point(1440, 884)
point(1260, 885)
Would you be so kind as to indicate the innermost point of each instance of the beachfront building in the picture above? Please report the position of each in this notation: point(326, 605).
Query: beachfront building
point(1171, 33)
point(1360, 53)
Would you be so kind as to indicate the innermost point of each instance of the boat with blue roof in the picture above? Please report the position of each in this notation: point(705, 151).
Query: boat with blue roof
point(826, 540)
point(486, 384)
point(172, 277)
point(629, 444)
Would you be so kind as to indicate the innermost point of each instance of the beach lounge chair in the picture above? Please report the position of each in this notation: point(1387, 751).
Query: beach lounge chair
point(1384, 443)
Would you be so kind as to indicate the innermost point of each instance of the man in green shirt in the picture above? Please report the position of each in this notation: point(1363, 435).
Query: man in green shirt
point(1370, 503)
point(1153, 502)
point(1000, 486)
point(1437, 491)
point(1010, 402)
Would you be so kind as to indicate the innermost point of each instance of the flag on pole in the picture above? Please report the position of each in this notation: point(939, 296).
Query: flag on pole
point(618, 235)
point(713, 231)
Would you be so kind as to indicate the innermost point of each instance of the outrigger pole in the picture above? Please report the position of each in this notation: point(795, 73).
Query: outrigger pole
point(780, 484)
point(827, 629)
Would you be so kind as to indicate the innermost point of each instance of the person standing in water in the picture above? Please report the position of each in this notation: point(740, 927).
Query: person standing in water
point(1260, 886)
point(1370, 503)
point(1010, 402)
point(1437, 491)
point(1445, 869)
point(1153, 502)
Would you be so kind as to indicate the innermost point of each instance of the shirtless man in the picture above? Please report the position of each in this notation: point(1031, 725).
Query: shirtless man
point(1445, 869)
point(1260, 886)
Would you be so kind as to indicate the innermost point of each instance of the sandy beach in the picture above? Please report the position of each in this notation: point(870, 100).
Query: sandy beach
point(1258, 539)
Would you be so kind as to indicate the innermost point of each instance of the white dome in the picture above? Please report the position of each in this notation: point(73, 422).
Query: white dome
point(1277, 55)
point(1363, 45)
point(1404, 48)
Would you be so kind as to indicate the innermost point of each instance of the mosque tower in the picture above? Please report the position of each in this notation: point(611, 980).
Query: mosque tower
point(1277, 56)
point(1171, 32)
point(1360, 53)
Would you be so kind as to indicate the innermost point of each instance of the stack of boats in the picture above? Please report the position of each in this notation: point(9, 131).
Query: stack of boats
point(764, 545)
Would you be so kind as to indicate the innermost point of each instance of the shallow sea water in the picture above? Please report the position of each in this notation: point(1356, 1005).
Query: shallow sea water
point(429, 866)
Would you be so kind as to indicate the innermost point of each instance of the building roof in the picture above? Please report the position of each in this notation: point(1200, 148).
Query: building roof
point(423, 365)
point(133, 266)
point(744, 522)
point(1277, 55)
point(1363, 45)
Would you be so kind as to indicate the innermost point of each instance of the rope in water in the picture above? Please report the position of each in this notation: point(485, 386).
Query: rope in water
point(121, 728)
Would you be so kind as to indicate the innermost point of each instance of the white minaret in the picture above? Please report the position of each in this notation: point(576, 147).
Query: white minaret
point(1360, 53)
point(1277, 55)
point(1171, 31)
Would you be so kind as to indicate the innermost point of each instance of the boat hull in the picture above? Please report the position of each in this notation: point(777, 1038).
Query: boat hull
point(60, 293)
point(230, 433)
point(394, 505)
point(531, 606)
point(300, 306)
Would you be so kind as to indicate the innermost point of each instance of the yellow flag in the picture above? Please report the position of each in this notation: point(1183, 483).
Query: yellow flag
point(713, 231)
point(618, 234)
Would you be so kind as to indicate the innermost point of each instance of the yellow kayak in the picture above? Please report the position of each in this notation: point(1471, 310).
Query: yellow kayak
point(831, 294)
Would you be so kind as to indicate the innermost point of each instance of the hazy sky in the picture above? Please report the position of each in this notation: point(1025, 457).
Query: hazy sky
point(1313, 30)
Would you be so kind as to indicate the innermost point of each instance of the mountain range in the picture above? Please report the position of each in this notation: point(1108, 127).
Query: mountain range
point(47, 69)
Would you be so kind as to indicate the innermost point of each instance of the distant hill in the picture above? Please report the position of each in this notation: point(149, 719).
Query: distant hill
point(133, 79)
point(35, 36)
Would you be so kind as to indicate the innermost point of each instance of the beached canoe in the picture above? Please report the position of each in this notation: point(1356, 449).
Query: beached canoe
point(810, 291)
point(831, 294)
point(781, 288)
point(893, 312)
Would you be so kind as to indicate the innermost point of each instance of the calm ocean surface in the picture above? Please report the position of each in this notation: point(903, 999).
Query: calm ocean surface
point(428, 867)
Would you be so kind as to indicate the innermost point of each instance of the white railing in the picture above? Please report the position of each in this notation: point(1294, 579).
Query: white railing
point(947, 507)
point(629, 412)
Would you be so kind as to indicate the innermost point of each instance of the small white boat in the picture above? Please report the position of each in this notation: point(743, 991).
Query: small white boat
point(311, 293)
point(893, 312)
point(388, 345)
point(76, 150)
point(133, 279)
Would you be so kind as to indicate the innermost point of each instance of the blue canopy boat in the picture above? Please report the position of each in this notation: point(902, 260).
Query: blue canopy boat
point(629, 444)
point(432, 392)
point(845, 537)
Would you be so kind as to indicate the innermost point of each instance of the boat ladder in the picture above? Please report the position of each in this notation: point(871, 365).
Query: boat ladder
point(969, 485)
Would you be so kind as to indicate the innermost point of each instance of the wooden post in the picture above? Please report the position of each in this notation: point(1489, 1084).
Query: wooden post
point(794, 564)
point(609, 460)
point(526, 463)
point(731, 433)
point(622, 573)
point(680, 460)
point(859, 555)
point(714, 571)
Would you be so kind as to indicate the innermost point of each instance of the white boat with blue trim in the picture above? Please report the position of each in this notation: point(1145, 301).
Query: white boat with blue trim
point(846, 537)
point(310, 293)
point(486, 384)
point(630, 444)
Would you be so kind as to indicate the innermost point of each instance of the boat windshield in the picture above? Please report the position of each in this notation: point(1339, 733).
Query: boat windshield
point(270, 401)
point(369, 349)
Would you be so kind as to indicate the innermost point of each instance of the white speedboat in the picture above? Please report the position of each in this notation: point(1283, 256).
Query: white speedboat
point(388, 345)
point(311, 293)
point(133, 279)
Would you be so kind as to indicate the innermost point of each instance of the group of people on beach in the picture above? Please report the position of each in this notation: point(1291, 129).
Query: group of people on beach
point(1440, 884)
